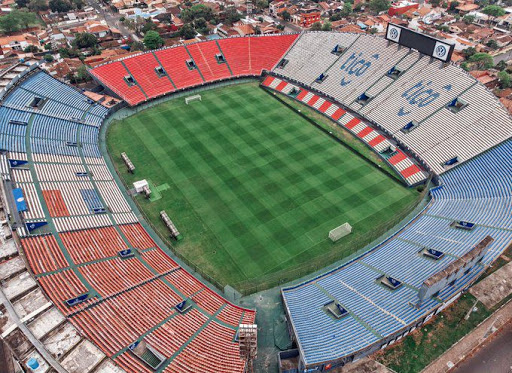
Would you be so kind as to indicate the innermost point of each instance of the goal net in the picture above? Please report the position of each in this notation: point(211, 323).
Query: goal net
point(340, 232)
point(192, 98)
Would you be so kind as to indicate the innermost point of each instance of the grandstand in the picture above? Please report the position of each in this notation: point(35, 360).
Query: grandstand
point(99, 266)
point(191, 65)
point(86, 229)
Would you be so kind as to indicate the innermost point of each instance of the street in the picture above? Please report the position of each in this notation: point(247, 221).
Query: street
point(494, 356)
point(112, 19)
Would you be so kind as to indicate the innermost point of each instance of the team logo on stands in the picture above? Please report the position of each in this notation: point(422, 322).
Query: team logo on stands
point(441, 51)
point(394, 33)
point(421, 94)
point(354, 66)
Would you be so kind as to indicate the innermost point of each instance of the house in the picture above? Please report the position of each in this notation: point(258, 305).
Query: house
point(400, 7)
point(465, 8)
point(18, 42)
point(65, 67)
point(487, 78)
point(244, 29)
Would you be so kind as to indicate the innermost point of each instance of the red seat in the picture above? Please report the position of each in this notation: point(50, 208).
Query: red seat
point(204, 56)
point(142, 68)
point(112, 75)
point(174, 61)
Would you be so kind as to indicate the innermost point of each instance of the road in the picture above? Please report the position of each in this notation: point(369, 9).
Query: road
point(493, 357)
point(288, 27)
point(112, 19)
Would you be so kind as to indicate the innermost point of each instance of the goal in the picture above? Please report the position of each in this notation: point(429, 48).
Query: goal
point(192, 98)
point(340, 232)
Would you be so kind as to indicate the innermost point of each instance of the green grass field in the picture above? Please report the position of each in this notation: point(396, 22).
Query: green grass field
point(253, 186)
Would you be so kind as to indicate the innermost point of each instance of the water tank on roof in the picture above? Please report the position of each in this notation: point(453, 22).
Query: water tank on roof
point(33, 364)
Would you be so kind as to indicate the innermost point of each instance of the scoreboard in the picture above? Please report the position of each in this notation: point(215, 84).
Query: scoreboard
point(422, 43)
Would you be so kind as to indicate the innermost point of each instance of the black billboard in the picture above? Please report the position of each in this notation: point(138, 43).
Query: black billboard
point(422, 43)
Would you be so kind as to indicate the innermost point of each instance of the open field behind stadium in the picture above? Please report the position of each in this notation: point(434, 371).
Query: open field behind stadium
point(253, 186)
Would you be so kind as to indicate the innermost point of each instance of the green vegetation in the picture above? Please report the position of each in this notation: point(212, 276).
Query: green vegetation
point(152, 40)
point(494, 11)
point(317, 26)
point(420, 348)
point(504, 78)
point(379, 5)
point(254, 187)
point(481, 61)
point(468, 19)
point(62, 6)
point(17, 20)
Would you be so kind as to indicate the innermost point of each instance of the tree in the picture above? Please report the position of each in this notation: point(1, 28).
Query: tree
point(232, 15)
point(16, 20)
point(150, 25)
point(453, 5)
point(347, 9)
point(468, 52)
point(60, 6)
point(468, 19)
point(201, 26)
point(22, 3)
point(70, 53)
point(327, 26)
point(317, 26)
point(502, 65)
point(80, 76)
point(187, 31)
point(504, 79)
point(285, 15)
point(335, 17)
point(262, 4)
point(379, 5)
point(136, 46)
point(481, 61)
point(48, 58)
point(493, 44)
point(78, 4)
point(31, 49)
point(494, 11)
point(197, 11)
point(38, 5)
point(152, 40)
point(435, 3)
point(85, 40)
point(373, 30)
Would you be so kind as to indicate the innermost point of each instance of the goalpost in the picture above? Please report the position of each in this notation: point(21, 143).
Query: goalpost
point(340, 232)
point(192, 98)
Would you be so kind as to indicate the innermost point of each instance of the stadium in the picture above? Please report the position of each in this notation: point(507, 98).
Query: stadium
point(155, 226)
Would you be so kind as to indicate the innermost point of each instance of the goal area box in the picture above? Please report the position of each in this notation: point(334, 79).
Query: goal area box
point(340, 232)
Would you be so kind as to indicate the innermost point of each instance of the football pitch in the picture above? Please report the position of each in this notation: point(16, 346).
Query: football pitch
point(253, 187)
